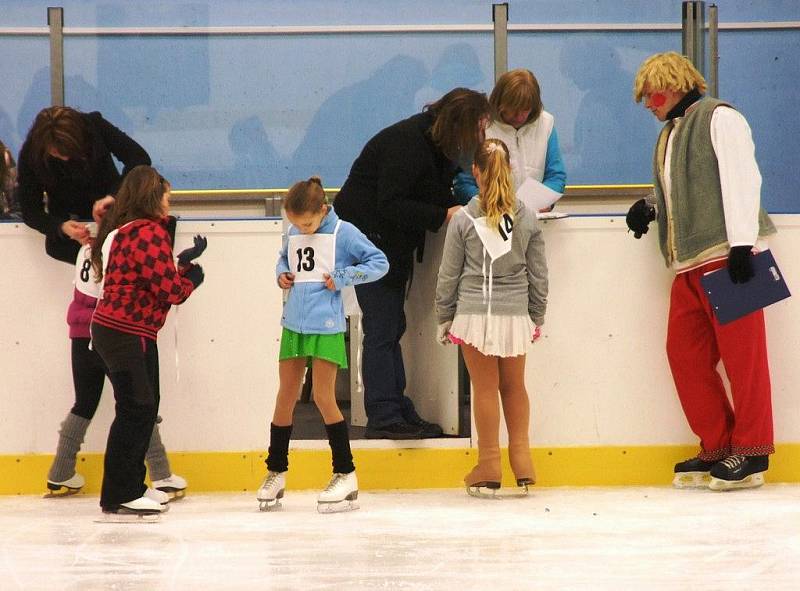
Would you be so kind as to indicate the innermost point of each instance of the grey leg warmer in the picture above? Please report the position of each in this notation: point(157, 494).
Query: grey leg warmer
point(73, 430)
point(156, 457)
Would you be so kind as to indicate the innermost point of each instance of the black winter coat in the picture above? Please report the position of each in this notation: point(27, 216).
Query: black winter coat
point(399, 187)
point(75, 187)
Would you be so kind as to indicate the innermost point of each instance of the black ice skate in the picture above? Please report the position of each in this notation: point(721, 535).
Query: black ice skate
point(738, 471)
point(693, 473)
point(71, 486)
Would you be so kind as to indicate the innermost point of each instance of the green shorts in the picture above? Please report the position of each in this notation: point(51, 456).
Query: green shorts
point(329, 347)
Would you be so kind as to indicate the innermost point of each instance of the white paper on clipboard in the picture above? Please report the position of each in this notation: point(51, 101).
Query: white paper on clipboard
point(535, 195)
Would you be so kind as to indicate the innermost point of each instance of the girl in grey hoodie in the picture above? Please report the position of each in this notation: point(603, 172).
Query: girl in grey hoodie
point(491, 297)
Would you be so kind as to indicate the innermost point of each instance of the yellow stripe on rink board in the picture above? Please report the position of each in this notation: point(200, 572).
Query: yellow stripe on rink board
point(399, 468)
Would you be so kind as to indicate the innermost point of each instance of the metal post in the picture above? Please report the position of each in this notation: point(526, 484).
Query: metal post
point(693, 12)
point(500, 19)
point(55, 20)
point(713, 50)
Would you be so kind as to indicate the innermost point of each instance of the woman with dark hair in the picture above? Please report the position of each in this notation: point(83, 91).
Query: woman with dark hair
point(67, 155)
point(399, 187)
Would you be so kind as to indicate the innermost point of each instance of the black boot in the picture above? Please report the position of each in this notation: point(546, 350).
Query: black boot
point(693, 473)
point(738, 471)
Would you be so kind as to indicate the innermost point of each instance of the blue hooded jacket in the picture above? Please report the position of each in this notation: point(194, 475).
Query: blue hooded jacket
point(312, 308)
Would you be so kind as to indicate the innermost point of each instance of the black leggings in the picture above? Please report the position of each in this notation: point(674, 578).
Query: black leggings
point(88, 375)
point(132, 363)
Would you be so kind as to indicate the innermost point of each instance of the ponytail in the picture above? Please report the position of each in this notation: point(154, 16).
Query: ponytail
point(497, 186)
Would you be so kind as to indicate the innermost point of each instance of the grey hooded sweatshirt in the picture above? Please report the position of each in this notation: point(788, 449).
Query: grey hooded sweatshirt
point(519, 277)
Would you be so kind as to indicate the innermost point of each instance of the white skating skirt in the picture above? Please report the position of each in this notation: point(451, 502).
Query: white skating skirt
point(501, 336)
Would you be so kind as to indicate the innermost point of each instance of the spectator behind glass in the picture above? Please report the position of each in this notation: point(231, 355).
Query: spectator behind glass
point(67, 155)
point(9, 207)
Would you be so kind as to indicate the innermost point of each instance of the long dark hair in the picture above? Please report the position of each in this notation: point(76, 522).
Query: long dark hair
point(140, 196)
point(456, 127)
point(62, 129)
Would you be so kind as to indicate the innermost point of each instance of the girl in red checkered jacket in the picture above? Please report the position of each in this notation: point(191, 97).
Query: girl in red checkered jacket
point(139, 283)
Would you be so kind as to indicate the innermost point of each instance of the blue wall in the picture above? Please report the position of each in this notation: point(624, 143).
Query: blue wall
point(263, 111)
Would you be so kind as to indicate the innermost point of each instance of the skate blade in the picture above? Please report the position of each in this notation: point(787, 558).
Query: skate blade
point(272, 505)
point(483, 492)
point(175, 494)
point(63, 491)
point(691, 480)
point(752, 481)
point(337, 507)
point(149, 517)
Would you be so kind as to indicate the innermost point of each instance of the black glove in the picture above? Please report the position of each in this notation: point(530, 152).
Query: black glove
point(195, 275)
point(639, 216)
point(187, 256)
point(740, 264)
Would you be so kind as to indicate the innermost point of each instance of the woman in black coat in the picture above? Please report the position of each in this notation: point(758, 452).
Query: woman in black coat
point(67, 156)
point(399, 187)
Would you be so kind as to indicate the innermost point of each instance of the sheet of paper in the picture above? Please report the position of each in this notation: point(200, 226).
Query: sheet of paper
point(536, 196)
point(551, 215)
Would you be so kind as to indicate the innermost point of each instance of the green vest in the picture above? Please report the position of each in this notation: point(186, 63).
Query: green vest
point(696, 221)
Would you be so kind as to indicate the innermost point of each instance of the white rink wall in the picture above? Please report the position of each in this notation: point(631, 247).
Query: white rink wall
point(599, 376)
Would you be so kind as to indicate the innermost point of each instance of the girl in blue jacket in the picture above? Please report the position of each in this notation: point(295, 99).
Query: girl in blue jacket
point(321, 254)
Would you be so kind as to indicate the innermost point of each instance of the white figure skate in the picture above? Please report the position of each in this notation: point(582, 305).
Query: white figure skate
point(141, 510)
point(159, 496)
point(68, 487)
point(340, 494)
point(271, 492)
point(173, 485)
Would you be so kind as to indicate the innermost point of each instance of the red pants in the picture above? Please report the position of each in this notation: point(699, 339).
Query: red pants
point(695, 344)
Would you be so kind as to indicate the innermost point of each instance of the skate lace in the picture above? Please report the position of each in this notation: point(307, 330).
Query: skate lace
point(335, 482)
point(733, 462)
point(270, 479)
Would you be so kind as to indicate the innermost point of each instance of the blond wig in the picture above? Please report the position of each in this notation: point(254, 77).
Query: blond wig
point(667, 71)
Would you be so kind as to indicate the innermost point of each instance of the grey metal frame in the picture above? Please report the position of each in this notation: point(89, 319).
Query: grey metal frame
point(55, 20)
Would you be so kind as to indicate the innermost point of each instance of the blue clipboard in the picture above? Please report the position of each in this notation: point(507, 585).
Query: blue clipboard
point(731, 301)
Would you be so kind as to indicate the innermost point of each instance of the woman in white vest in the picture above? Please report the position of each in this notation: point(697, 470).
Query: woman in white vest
point(519, 119)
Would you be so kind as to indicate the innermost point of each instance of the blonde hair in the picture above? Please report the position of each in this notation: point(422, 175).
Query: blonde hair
point(667, 71)
point(516, 90)
point(305, 196)
point(497, 186)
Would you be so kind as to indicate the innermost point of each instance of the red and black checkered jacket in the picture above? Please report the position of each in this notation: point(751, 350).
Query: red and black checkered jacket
point(141, 280)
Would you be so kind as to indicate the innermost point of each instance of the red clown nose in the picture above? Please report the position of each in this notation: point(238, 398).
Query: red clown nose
point(657, 100)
